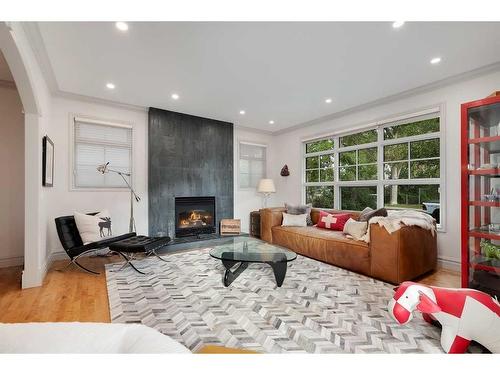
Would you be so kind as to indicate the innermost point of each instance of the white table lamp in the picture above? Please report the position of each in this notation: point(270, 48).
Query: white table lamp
point(266, 187)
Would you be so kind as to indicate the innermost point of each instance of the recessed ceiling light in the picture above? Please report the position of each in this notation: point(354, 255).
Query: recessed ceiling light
point(242, 112)
point(398, 24)
point(122, 26)
point(110, 85)
point(175, 96)
point(328, 100)
point(436, 60)
point(271, 122)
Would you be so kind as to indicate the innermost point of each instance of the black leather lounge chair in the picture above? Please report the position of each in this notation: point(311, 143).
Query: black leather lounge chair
point(73, 244)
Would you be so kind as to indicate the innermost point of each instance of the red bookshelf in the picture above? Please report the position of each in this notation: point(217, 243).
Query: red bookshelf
point(480, 195)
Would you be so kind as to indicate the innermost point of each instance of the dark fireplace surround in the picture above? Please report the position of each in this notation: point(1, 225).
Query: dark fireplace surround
point(194, 216)
point(189, 156)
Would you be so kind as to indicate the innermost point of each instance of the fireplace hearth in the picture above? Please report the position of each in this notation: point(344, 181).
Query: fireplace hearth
point(194, 216)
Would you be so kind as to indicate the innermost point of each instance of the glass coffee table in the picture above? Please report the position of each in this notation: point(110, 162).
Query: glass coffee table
point(245, 250)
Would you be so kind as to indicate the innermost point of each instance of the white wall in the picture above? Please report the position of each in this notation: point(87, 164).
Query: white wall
point(248, 200)
point(61, 200)
point(12, 181)
point(287, 148)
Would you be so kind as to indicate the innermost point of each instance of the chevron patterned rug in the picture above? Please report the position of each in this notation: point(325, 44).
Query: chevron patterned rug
point(319, 309)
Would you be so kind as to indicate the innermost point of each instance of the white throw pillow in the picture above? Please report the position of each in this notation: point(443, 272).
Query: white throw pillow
point(290, 220)
point(356, 229)
point(93, 227)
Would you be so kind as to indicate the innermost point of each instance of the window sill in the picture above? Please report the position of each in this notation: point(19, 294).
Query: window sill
point(100, 190)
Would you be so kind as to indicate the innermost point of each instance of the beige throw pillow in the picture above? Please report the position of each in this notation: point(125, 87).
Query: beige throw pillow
point(93, 228)
point(356, 229)
point(290, 220)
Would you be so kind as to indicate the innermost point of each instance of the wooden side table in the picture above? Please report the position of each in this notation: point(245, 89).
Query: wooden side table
point(255, 224)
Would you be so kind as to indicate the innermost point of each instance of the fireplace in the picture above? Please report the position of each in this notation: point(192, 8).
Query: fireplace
point(194, 216)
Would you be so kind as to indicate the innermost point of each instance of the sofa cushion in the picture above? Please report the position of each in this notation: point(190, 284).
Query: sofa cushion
point(325, 245)
point(315, 213)
point(300, 209)
point(356, 229)
point(290, 220)
point(331, 221)
point(368, 213)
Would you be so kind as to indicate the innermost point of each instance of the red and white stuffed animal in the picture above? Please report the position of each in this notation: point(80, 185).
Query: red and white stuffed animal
point(464, 314)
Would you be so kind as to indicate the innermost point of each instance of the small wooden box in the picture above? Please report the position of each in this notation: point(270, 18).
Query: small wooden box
point(230, 227)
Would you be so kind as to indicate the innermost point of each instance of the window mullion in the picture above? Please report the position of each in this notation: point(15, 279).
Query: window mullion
point(336, 190)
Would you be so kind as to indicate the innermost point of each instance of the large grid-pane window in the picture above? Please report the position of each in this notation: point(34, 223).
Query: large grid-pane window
point(395, 164)
point(95, 144)
point(252, 164)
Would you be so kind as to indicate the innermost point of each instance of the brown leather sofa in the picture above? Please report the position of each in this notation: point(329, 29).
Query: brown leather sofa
point(397, 257)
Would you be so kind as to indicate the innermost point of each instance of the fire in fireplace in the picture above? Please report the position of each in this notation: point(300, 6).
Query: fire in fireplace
point(194, 216)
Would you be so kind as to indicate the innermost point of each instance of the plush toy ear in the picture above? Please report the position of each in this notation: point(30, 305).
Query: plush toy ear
point(426, 305)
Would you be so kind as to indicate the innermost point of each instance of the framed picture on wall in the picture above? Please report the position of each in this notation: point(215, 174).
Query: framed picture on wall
point(48, 162)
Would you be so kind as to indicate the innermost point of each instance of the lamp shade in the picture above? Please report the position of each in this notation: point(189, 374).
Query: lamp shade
point(266, 185)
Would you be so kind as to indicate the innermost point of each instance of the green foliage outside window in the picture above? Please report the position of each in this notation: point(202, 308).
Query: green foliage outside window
point(367, 172)
point(317, 146)
point(394, 171)
point(424, 169)
point(368, 136)
point(367, 155)
point(347, 158)
point(312, 162)
point(412, 128)
point(326, 161)
point(320, 196)
point(424, 149)
point(347, 173)
point(410, 196)
point(358, 198)
point(396, 152)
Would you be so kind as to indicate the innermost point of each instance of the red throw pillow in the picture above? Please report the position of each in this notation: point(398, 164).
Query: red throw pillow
point(332, 221)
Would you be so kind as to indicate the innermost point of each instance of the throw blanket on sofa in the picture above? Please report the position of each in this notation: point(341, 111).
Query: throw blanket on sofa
point(395, 219)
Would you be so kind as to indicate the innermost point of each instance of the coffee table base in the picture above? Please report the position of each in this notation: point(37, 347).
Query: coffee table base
point(279, 269)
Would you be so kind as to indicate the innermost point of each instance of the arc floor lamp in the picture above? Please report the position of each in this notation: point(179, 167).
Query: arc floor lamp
point(104, 168)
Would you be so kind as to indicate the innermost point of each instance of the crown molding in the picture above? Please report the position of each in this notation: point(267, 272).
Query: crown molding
point(8, 84)
point(392, 98)
point(99, 101)
point(254, 130)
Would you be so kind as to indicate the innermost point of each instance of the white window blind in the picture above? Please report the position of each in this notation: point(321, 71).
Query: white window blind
point(95, 144)
point(252, 164)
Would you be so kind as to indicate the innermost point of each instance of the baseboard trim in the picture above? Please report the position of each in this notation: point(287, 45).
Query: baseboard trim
point(11, 262)
point(449, 263)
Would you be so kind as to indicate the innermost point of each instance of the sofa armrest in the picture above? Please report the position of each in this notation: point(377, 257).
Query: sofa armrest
point(269, 218)
point(402, 255)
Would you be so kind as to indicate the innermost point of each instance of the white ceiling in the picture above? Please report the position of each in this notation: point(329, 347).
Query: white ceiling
point(273, 71)
point(5, 74)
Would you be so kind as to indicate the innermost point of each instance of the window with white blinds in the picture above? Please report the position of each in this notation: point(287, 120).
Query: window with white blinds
point(97, 143)
point(252, 164)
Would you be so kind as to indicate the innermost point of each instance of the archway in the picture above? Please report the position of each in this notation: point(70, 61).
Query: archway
point(14, 49)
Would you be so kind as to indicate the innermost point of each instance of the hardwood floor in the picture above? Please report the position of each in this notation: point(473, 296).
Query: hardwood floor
point(73, 295)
